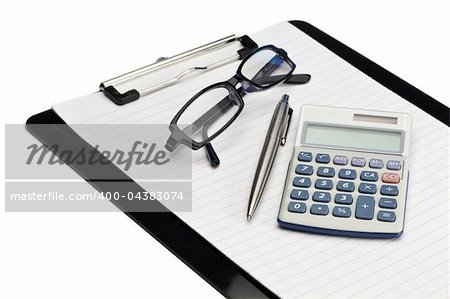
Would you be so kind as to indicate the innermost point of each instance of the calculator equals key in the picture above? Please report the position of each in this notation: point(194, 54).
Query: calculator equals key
point(348, 173)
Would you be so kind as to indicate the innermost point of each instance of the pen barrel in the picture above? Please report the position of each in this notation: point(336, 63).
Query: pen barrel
point(268, 153)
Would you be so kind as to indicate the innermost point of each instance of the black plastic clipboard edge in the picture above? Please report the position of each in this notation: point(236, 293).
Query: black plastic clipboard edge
point(189, 246)
point(378, 73)
point(179, 238)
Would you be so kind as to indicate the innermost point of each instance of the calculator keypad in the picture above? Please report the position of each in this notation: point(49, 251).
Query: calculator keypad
point(370, 176)
point(345, 186)
point(389, 190)
point(349, 174)
point(302, 182)
point(358, 162)
point(386, 216)
point(348, 187)
point(304, 169)
point(299, 194)
point(297, 207)
point(305, 156)
point(367, 188)
point(323, 158)
point(340, 160)
point(376, 163)
point(325, 172)
point(344, 199)
point(342, 211)
point(390, 177)
point(388, 203)
point(322, 196)
point(324, 184)
point(365, 206)
point(318, 209)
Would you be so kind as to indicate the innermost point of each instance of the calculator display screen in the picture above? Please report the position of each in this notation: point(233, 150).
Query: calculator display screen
point(353, 138)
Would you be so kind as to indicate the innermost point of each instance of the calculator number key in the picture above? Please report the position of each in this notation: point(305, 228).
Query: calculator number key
point(367, 188)
point(325, 172)
point(370, 176)
point(321, 196)
point(305, 156)
point(299, 194)
point(317, 209)
point(342, 212)
point(297, 207)
point(345, 186)
point(304, 169)
point(348, 174)
point(389, 190)
point(341, 198)
point(364, 207)
point(324, 184)
point(323, 158)
point(386, 216)
point(302, 182)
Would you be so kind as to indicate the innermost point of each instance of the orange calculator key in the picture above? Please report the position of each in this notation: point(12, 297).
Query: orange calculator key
point(390, 177)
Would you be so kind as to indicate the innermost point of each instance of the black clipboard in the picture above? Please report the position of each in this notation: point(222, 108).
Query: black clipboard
point(190, 247)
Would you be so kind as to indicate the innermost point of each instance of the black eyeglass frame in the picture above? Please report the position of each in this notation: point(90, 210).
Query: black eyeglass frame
point(179, 137)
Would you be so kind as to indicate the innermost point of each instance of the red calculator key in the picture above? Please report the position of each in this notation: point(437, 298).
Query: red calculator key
point(391, 178)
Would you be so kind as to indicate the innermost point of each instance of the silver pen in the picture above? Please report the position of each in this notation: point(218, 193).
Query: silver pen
point(275, 137)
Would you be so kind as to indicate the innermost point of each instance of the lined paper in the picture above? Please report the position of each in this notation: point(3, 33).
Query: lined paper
point(295, 264)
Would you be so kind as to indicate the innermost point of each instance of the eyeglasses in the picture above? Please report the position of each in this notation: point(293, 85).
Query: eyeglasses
point(212, 110)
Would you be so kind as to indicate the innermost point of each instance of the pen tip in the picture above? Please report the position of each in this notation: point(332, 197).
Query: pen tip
point(249, 217)
point(285, 98)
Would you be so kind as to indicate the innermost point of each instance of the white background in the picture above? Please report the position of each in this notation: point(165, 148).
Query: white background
point(52, 51)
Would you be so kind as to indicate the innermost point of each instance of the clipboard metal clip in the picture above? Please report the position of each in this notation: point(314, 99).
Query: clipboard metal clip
point(110, 91)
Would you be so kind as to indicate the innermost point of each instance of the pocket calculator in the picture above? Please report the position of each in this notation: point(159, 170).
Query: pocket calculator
point(348, 174)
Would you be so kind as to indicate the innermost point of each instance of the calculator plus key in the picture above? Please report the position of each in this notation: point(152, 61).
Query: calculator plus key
point(302, 182)
point(299, 194)
point(305, 156)
point(297, 207)
point(370, 176)
point(345, 186)
point(358, 162)
point(318, 209)
point(323, 158)
point(386, 216)
point(324, 184)
point(322, 196)
point(325, 172)
point(367, 188)
point(348, 174)
point(364, 207)
point(340, 160)
point(304, 169)
point(342, 198)
point(342, 212)
point(389, 190)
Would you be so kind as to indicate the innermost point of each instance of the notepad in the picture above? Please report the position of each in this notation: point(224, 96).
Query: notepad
point(295, 264)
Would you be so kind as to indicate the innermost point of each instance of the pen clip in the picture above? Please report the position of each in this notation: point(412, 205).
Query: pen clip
point(286, 128)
